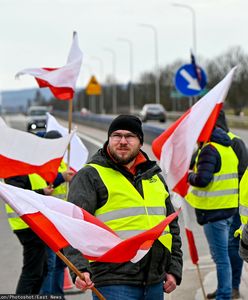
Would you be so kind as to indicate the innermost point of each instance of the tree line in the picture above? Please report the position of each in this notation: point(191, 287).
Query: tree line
point(144, 89)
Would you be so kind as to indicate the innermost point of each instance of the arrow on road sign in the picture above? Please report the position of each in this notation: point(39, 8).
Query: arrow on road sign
point(193, 82)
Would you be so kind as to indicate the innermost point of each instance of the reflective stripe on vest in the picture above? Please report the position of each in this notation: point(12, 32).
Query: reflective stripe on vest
point(223, 191)
point(37, 182)
point(243, 198)
point(126, 212)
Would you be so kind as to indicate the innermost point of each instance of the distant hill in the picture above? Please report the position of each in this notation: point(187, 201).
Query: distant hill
point(17, 99)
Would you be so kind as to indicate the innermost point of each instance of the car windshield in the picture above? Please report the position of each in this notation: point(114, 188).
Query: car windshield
point(154, 108)
point(37, 112)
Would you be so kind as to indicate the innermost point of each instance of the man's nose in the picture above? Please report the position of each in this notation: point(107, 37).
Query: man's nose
point(123, 140)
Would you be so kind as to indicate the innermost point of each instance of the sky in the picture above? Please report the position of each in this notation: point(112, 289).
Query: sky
point(38, 33)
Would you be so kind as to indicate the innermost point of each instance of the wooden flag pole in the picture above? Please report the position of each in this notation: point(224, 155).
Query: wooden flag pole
point(201, 283)
point(78, 273)
point(69, 129)
point(69, 145)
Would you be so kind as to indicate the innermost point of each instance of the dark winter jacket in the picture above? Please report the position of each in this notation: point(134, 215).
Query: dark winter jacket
point(238, 145)
point(209, 162)
point(88, 191)
point(24, 182)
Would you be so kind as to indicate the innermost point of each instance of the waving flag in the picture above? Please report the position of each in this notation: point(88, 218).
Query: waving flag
point(60, 223)
point(175, 146)
point(189, 224)
point(78, 152)
point(23, 153)
point(61, 81)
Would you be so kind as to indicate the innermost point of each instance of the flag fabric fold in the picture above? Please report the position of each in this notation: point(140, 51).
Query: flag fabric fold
point(176, 145)
point(78, 151)
point(60, 223)
point(61, 81)
point(23, 153)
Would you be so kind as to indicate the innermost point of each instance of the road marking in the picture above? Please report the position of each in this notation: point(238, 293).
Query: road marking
point(89, 139)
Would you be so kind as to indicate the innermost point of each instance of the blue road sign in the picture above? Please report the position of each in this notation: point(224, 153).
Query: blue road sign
point(190, 80)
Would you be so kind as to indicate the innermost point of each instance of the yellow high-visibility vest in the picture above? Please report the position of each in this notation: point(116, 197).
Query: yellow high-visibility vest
point(126, 211)
point(223, 191)
point(37, 182)
point(243, 198)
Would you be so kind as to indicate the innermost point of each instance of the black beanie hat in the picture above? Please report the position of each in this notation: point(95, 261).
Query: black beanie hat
point(52, 134)
point(127, 122)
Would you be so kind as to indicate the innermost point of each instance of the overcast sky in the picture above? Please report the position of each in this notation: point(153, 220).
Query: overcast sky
point(38, 33)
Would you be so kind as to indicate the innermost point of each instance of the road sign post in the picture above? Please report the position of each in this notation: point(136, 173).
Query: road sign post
point(93, 89)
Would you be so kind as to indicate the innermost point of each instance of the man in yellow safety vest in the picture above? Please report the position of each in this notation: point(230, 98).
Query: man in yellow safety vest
point(124, 189)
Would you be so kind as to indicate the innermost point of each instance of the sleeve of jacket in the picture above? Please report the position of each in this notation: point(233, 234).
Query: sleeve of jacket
point(241, 152)
point(176, 263)
point(243, 246)
point(209, 162)
point(83, 192)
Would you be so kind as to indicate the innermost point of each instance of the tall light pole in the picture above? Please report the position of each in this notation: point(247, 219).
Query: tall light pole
point(192, 11)
point(157, 75)
point(114, 87)
point(101, 79)
point(190, 8)
point(131, 90)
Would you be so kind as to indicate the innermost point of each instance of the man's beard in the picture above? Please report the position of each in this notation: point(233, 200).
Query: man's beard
point(124, 160)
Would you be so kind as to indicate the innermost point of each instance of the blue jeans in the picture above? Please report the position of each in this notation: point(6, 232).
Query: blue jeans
point(236, 261)
point(53, 283)
point(217, 234)
point(132, 292)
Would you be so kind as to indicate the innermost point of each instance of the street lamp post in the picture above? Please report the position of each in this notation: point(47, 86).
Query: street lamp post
point(131, 90)
point(101, 76)
point(190, 8)
point(114, 87)
point(157, 86)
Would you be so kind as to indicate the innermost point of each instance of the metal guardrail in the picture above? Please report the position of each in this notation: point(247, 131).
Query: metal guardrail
point(150, 131)
point(103, 121)
point(233, 121)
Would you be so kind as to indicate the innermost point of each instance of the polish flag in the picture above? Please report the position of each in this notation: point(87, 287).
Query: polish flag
point(61, 81)
point(175, 146)
point(60, 224)
point(23, 153)
point(78, 151)
point(189, 224)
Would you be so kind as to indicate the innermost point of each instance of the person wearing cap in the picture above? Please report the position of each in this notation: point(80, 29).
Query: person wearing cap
point(240, 150)
point(121, 187)
point(34, 250)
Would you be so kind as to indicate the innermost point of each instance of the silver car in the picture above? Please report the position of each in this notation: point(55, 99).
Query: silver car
point(36, 118)
point(153, 111)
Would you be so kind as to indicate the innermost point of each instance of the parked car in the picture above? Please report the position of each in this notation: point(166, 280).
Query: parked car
point(36, 117)
point(153, 111)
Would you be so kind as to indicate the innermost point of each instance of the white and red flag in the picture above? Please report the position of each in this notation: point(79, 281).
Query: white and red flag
point(175, 146)
point(60, 224)
point(62, 80)
point(23, 153)
point(78, 152)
